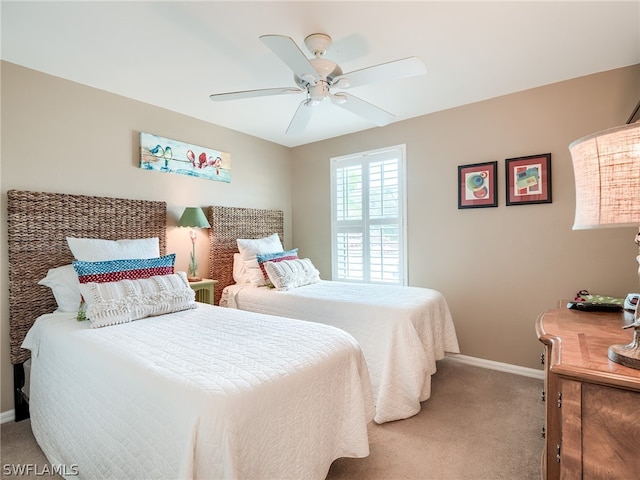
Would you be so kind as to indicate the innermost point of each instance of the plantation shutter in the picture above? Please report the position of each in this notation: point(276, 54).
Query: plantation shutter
point(367, 217)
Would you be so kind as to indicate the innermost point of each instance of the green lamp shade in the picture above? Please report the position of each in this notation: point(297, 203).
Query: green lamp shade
point(193, 217)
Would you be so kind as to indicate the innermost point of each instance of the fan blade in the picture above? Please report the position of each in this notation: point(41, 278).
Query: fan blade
point(287, 50)
point(364, 109)
point(264, 92)
point(406, 67)
point(301, 118)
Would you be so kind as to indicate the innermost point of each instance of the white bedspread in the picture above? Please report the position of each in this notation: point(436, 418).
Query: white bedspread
point(206, 393)
point(402, 331)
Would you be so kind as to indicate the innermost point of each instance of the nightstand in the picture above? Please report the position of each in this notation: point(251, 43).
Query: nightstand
point(204, 290)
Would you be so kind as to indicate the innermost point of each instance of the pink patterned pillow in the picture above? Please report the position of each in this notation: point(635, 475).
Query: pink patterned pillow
point(128, 269)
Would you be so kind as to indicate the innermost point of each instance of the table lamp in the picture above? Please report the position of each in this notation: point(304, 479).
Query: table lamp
point(607, 176)
point(193, 217)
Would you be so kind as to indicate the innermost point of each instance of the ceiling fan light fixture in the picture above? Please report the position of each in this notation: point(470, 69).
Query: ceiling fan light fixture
point(341, 83)
point(326, 68)
point(306, 79)
point(318, 92)
point(339, 98)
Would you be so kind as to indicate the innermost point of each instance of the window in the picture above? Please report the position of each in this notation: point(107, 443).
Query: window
point(367, 217)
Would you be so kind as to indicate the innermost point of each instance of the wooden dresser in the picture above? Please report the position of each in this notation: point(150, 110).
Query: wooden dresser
point(592, 410)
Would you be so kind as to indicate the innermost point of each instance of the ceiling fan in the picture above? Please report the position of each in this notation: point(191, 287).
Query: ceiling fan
point(319, 76)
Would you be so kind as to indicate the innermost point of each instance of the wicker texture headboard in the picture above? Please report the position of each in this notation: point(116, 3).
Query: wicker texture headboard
point(38, 224)
point(227, 225)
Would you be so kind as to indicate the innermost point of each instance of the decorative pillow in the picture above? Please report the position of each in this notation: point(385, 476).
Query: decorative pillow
point(131, 269)
point(98, 250)
point(64, 284)
point(248, 248)
point(289, 274)
point(112, 303)
point(240, 274)
point(262, 258)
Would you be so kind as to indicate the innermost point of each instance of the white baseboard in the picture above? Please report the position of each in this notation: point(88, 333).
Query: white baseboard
point(8, 416)
point(503, 367)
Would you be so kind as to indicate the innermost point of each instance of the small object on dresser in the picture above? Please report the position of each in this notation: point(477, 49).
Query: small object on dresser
point(594, 306)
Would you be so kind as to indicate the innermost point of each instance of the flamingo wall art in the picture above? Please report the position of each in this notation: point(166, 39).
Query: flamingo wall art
point(166, 155)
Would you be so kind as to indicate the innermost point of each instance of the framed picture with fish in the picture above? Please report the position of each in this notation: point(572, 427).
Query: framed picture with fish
point(166, 155)
point(528, 179)
point(477, 185)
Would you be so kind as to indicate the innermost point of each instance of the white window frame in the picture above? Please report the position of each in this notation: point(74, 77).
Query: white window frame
point(365, 158)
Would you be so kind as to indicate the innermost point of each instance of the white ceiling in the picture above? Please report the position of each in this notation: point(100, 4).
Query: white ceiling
point(174, 54)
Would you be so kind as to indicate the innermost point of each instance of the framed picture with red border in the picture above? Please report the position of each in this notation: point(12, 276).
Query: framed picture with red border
point(528, 179)
point(477, 185)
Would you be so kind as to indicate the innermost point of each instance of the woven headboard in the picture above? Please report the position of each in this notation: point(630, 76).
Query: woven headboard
point(227, 225)
point(38, 224)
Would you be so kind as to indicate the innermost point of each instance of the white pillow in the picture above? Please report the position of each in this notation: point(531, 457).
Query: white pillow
point(289, 274)
point(248, 248)
point(65, 286)
point(240, 274)
point(112, 303)
point(98, 250)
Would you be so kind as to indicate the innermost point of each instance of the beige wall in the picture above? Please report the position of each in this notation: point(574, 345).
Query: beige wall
point(58, 136)
point(498, 267)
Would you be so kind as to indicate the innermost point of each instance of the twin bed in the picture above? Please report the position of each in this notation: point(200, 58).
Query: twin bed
point(403, 331)
point(204, 392)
